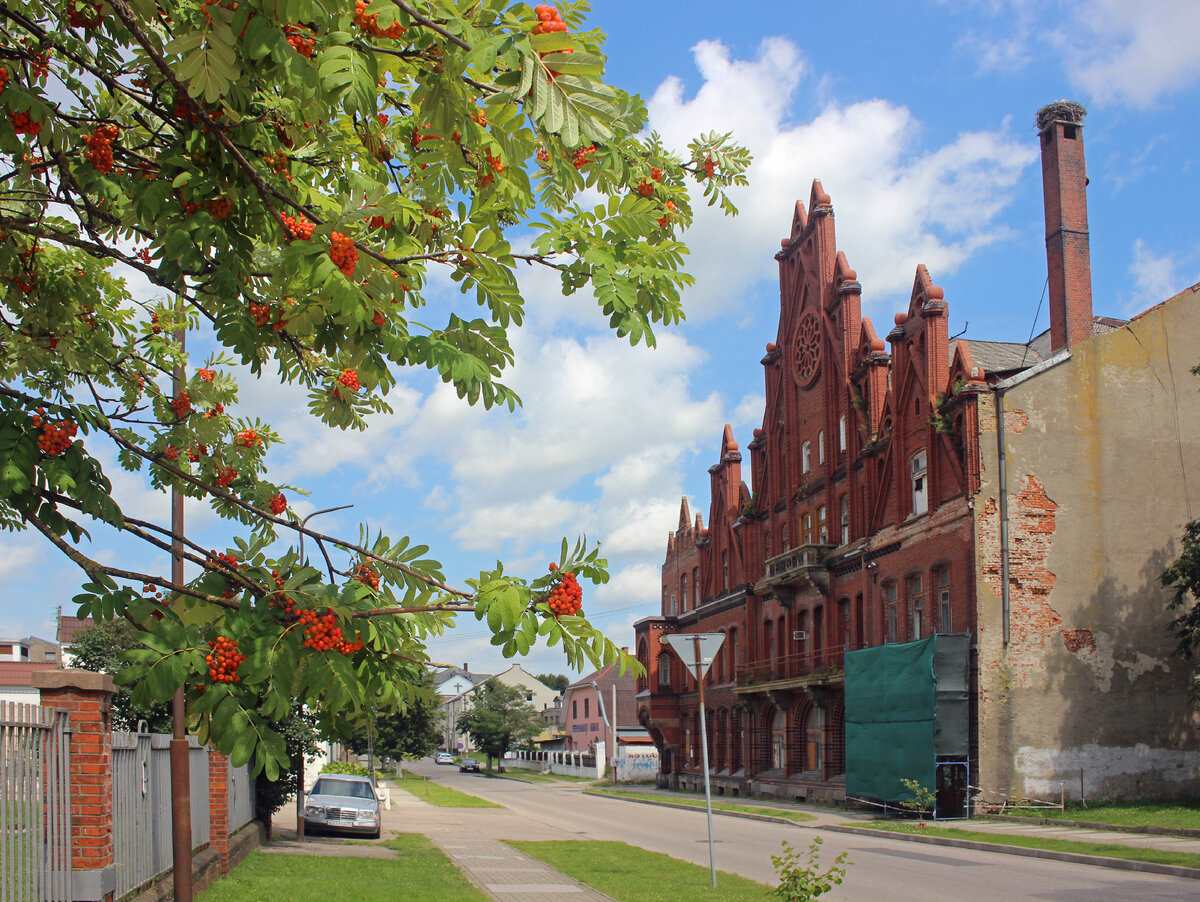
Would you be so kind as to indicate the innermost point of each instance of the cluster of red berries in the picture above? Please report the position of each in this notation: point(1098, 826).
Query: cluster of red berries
point(214, 410)
point(583, 156)
point(224, 660)
point(709, 167)
point(84, 15)
point(205, 375)
point(220, 207)
point(226, 475)
point(666, 217)
point(23, 123)
point(56, 437)
point(223, 560)
point(99, 151)
point(367, 577)
point(370, 24)
point(349, 378)
point(548, 20)
point(278, 504)
point(4, 76)
point(39, 63)
point(150, 591)
point(194, 454)
point(170, 453)
point(248, 438)
point(378, 222)
point(321, 632)
point(300, 42)
point(344, 253)
point(182, 404)
point(566, 598)
point(298, 227)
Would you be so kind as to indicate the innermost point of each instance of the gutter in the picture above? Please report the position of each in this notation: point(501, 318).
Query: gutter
point(1001, 446)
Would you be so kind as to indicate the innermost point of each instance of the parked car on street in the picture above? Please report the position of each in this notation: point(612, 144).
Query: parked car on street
point(468, 764)
point(443, 758)
point(343, 802)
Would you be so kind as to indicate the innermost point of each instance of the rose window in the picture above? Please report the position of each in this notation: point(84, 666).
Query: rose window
point(808, 351)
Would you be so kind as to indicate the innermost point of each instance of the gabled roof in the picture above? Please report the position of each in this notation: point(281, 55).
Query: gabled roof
point(70, 627)
point(449, 673)
point(605, 679)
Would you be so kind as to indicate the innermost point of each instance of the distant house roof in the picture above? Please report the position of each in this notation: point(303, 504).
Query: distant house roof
point(448, 673)
point(70, 627)
point(20, 673)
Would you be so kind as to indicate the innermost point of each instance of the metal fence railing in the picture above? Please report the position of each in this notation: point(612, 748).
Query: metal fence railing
point(35, 804)
point(142, 805)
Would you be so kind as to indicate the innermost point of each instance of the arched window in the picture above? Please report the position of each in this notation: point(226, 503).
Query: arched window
point(916, 606)
point(695, 587)
point(805, 457)
point(891, 611)
point(943, 594)
point(643, 656)
point(821, 447)
point(822, 525)
point(815, 746)
point(779, 740)
point(664, 671)
point(736, 740)
point(683, 590)
point(845, 520)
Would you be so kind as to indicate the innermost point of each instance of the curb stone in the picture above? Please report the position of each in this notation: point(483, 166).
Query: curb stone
point(1120, 864)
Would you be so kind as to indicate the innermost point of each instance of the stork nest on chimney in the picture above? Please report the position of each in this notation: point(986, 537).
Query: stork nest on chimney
point(1060, 111)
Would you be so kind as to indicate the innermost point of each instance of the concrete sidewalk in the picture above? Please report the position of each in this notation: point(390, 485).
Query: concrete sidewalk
point(470, 837)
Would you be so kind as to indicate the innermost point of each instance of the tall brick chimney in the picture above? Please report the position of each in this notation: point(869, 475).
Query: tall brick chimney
point(1064, 187)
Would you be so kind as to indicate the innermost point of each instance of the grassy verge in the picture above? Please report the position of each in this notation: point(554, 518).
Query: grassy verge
point(420, 873)
point(693, 802)
point(442, 796)
point(1106, 850)
point(1177, 814)
point(630, 874)
point(536, 776)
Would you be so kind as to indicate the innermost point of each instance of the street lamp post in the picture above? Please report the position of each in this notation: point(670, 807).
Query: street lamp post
point(703, 651)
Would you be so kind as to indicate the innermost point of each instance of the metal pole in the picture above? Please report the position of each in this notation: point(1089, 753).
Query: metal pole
point(181, 780)
point(612, 755)
point(712, 864)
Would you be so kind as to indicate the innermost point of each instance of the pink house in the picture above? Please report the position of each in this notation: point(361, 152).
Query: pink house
point(587, 708)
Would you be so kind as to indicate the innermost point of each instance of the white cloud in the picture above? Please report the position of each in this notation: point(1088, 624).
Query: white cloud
point(17, 554)
point(897, 203)
point(1156, 277)
point(1131, 52)
point(1125, 52)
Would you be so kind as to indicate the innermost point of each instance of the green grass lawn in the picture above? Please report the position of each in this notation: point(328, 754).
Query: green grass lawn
point(442, 796)
point(419, 873)
point(629, 874)
point(1176, 814)
point(1157, 856)
point(694, 802)
point(536, 776)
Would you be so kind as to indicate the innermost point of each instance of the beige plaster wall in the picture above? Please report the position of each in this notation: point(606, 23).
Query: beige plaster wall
point(1103, 471)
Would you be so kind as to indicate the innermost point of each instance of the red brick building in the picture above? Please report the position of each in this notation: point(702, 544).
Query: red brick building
point(862, 526)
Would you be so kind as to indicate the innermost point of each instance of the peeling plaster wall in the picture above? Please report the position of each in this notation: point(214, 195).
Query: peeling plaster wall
point(1103, 471)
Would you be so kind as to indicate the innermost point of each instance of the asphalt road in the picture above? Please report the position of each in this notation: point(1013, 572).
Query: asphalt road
point(882, 870)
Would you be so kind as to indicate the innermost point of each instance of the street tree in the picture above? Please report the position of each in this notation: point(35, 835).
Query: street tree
point(499, 718)
point(412, 732)
point(301, 182)
point(556, 681)
point(1182, 577)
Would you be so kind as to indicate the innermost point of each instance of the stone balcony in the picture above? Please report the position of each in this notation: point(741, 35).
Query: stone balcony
point(797, 567)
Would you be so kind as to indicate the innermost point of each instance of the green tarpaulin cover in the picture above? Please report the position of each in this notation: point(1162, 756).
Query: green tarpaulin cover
point(891, 694)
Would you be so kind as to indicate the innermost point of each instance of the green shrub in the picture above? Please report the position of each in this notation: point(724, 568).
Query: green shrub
point(345, 767)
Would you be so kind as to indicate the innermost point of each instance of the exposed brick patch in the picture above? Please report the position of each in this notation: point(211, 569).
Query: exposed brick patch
point(1015, 421)
point(1079, 640)
point(1031, 523)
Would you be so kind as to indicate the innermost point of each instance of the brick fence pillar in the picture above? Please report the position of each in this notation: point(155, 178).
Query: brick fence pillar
point(86, 697)
point(218, 806)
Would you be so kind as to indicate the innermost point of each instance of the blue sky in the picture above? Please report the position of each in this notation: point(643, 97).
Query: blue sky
point(917, 117)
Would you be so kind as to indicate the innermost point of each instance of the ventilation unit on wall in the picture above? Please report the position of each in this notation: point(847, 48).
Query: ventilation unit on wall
point(800, 635)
